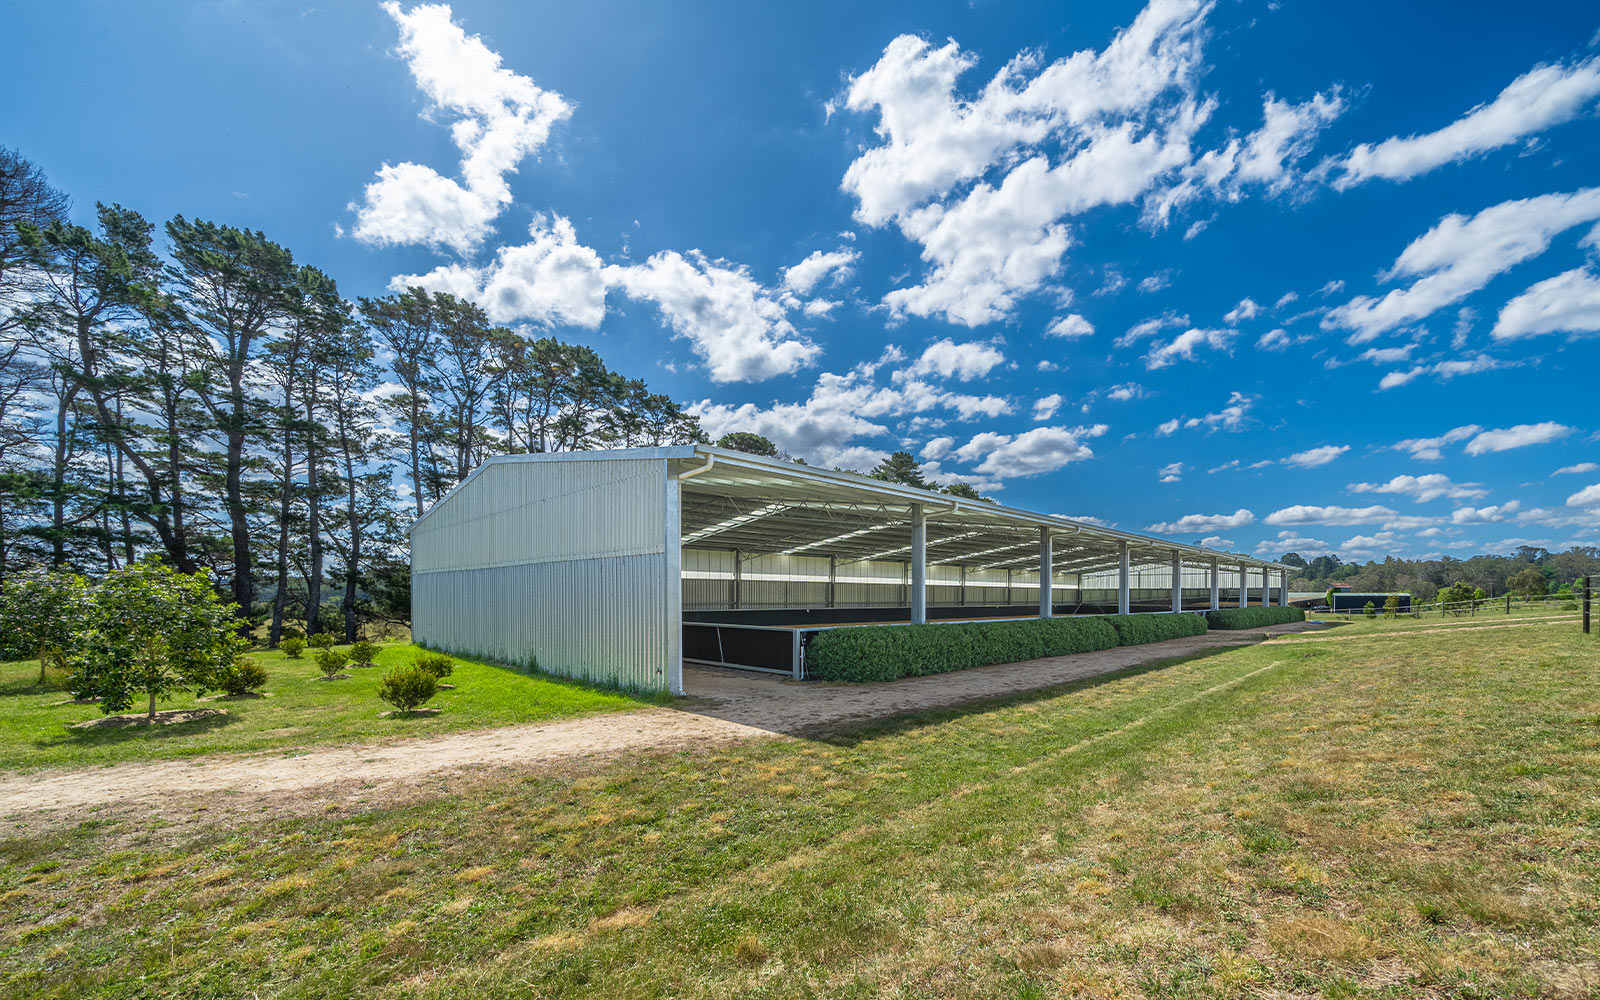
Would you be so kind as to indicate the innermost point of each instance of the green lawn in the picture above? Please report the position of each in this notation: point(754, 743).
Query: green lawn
point(301, 711)
point(1385, 815)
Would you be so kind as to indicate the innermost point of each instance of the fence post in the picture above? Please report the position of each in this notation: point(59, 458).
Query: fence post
point(1508, 604)
point(1586, 605)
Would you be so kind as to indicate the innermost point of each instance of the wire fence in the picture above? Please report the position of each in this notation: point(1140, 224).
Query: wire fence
point(1561, 606)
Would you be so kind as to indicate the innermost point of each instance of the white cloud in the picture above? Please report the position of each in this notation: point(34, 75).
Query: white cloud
point(736, 325)
point(498, 118)
point(1247, 309)
point(1538, 99)
point(1268, 157)
point(1286, 299)
point(1070, 325)
point(1125, 391)
point(1274, 340)
point(1579, 469)
point(1031, 453)
point(1171, 473)
point(1587, 497)
point(1301, 514)
point(1185, 344)
point(946, 359)
point(1313, 457)
point(1423, 488)
point(1149, 328)
point(1519, 436)
point(1087, 519)
point(1432, 449)
point(938, 448)
point(840, 409)
point(1443, 371)
point(550, 280)
point(1231, 417)
point(1567, 303)
point(1293, 541)
point(1191, 524)
point(1046, 407)
point(1155, 283)
point(1215, 542)
point(1333, 287)
point(984, 184)
point(1459, 255)
point(806, 275)
point(1167, 427)
point(1484, 515)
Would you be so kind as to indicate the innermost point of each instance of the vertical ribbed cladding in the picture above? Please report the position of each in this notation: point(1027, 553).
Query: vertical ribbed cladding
point(562, 561)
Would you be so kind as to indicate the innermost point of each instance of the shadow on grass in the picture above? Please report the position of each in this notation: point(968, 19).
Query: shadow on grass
point(27, 682)
point(848, 734)
point(69, 737)
point(653, 697)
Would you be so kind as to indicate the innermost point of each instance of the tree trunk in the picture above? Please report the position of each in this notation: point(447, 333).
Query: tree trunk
point(281, 598)
point(314, 522)
point(152, 716)
point(416, 459)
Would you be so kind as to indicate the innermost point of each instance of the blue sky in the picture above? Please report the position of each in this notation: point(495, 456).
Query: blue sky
point(1272, 276)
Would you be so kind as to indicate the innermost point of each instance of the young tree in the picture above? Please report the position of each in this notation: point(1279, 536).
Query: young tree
point(44, 613)
point(154, 631)
point(234, 286)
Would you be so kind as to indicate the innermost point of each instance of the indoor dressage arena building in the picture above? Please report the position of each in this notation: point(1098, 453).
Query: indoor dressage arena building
point(618, 566)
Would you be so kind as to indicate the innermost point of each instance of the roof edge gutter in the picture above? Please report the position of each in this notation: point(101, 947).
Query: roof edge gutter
point(691, 473)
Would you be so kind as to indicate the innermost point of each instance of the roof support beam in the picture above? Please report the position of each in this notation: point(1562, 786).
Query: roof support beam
point(1046, 591)
point(1177, 580)
point(919, 565)
point(1124, 570)
point(1216, 585)
point(1244, 587)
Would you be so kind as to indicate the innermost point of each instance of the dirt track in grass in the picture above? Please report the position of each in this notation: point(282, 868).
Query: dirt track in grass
point(724, 706)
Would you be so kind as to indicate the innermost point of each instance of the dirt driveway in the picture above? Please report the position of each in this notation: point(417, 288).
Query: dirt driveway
point(724, 706)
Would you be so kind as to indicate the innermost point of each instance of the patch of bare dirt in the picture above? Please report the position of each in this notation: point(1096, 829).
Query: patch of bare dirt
point(170, 717)
point(724, 706)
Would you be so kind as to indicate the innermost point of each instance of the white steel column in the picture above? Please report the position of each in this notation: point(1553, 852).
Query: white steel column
point(1266, 587)
point(919, 565)
point(1216, 585)
point(1283, 580)
point(1177, 580)
point(1046, 574)
point(1244, 586)
point(1124, 571)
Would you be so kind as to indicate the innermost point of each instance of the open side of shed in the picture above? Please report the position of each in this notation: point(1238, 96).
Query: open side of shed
point(616, 566)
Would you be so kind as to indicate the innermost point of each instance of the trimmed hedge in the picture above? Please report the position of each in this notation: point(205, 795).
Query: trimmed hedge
point(1136, 630)
point(1237, 618)
point(886, 652)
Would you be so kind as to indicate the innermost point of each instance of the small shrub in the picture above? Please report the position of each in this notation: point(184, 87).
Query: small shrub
point(1230, 619)
point(322, 640)
point(1371, 610)
point(437, 664)
point(407, 687)
point(247, 675)
point(330, 662)
point(1391, 607)
point(291, 632)
point(363, 653)
point(292, 647)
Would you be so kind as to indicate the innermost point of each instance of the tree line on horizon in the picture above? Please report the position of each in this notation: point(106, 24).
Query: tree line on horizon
point(1529, 570)
point(216, 403)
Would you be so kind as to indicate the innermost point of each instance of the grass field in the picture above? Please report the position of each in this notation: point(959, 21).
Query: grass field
point(302, 710)
point(1378, 815)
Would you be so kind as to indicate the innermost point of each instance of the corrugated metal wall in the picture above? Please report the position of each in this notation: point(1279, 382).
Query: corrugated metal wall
point(564, 561)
